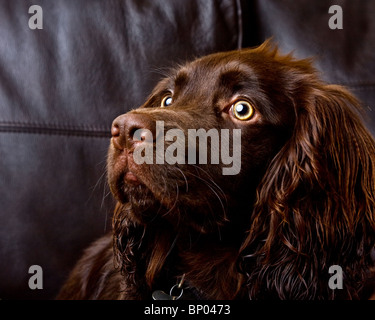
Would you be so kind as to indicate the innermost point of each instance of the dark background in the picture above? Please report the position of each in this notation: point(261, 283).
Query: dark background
point(61, 87)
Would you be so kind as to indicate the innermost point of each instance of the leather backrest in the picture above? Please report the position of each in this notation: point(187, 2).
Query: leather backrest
point(60, 89)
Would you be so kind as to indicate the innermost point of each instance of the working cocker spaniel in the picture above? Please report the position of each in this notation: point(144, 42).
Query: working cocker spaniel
point(242, 176)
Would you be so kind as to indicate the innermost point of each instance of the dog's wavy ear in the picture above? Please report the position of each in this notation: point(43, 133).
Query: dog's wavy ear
point(316, 204)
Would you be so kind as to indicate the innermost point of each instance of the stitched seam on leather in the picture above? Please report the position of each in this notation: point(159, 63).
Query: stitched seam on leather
point(37, 128)
point(52, 125)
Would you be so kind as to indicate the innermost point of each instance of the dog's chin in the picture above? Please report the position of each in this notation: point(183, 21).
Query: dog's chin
point(127, 188)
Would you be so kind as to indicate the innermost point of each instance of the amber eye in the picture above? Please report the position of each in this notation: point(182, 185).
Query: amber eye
point(166, 101)
point(242, 110)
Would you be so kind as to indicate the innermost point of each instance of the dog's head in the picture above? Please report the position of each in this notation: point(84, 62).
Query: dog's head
point(254, 140)
point(205, 136)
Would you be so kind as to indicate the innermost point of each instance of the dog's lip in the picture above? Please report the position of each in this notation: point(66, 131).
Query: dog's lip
point(130, 177)
point(124, 172)
point(123, 168)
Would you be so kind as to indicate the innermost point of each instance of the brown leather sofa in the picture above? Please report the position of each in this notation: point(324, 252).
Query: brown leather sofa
point(61, 87)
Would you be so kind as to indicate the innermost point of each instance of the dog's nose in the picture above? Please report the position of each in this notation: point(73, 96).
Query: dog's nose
point(130, 129)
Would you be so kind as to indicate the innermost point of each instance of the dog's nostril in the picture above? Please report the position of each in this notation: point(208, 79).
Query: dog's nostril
point(133, 132)
point(140, 135)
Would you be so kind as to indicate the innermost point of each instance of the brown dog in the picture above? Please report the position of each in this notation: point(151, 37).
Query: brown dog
point(285, 191)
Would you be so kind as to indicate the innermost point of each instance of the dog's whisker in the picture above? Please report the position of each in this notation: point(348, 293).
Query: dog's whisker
point(165, 191)
point(99, 181)
point(162, 71)
point(175, 202)
point(210, 179)
point(212, 188)
point(186, 181)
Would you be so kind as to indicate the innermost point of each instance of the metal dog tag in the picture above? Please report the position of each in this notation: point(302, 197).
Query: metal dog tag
point(161, 295)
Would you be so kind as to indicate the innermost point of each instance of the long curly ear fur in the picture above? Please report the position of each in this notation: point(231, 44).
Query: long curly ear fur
point(315, 206)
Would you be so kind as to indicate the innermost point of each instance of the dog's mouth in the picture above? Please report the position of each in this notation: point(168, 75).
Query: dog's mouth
point(143, 187)
point(128, 186)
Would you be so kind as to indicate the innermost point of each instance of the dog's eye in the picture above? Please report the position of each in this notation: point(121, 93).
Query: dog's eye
point(166, 101)
point(242, 110)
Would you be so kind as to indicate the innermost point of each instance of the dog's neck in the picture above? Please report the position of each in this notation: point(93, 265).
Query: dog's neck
point(210, 265)
point(209, 261)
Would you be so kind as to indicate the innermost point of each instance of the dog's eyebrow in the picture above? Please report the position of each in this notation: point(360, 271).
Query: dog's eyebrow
point(235, 80)
point(181, 79)
point(236, 76)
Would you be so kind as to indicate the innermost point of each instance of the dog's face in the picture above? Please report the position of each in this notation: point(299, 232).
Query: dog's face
point(243, 91)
